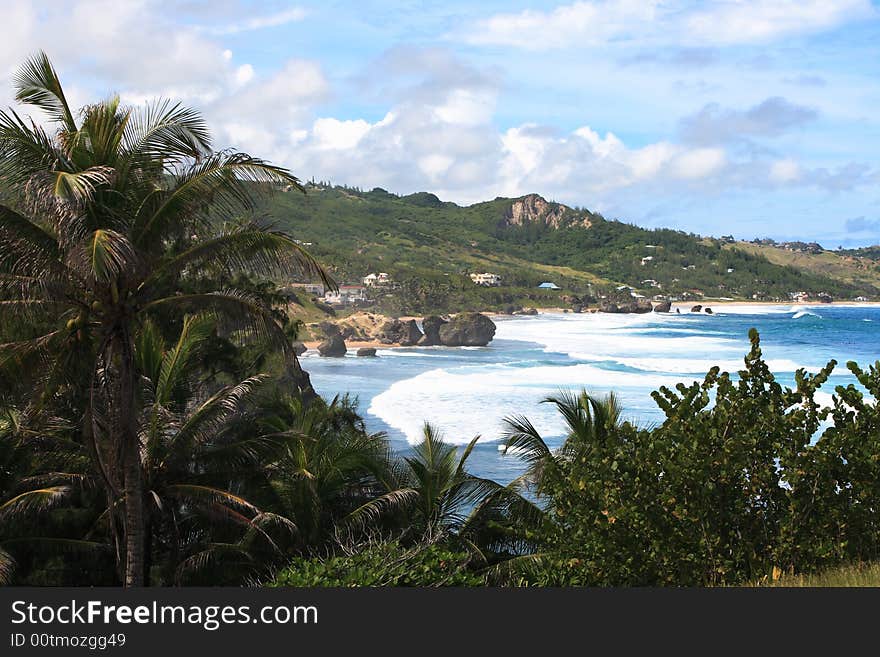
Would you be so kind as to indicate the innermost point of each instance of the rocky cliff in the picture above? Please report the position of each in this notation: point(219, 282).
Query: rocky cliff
point(535, 209)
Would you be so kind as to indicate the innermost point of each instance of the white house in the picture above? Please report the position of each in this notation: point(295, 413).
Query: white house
point(315, 289)
point(486, 279)
point(376, 280)
point(647, 259)
point(346, 295)
point(549, 286)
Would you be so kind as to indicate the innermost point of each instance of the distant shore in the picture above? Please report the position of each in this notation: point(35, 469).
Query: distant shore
point(683, 306)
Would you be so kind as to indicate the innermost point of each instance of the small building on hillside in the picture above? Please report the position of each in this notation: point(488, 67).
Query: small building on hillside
point(376, 280)
point(314, 289)
point(486, 279)
point(346, 295)
point(549, 286)
point(647, 259)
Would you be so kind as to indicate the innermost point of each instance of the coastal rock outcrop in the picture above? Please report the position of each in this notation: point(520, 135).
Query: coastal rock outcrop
point(708, 311)
point(396, 331)
point(467, 330)
point(299, 348)
point(697, 308)
point(369, 352)
point(431, 326)
point(663, 307)
point(333, 346)
point(527, 311)
point(639, 306)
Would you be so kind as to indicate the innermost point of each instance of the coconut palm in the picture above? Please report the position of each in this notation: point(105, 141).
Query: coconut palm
point(119, 214)
point(200, 452)
point(589, 423)
point(326, 464)
point(32, 488)
point(431, 488)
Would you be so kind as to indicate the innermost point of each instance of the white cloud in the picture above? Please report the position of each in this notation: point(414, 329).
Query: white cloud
point(597, 22)
point(259, 22)
point(332, 133)
point(785, 171)
point(754, 22)
point(584, 23)
point(698, 163)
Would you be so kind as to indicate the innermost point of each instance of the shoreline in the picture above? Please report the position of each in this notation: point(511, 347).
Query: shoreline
point(684, 306)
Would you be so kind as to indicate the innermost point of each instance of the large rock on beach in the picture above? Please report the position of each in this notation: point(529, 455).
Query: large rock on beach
point(333, 347)
point(467, 330)
point(369, 352)
point(431, 326)
point(396, 331)
point(697, 308)
point(639, 306)
point(663, 307)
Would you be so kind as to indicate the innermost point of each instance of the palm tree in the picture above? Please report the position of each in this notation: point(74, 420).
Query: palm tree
point(326, 464)
point(200, 453)
point(119, 215)
point(431, 487)
point(42, 471)
point(589, 423)
point(530, 530)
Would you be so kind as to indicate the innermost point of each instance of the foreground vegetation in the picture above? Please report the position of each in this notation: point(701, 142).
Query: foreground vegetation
point(841, 576)
point(156, 428)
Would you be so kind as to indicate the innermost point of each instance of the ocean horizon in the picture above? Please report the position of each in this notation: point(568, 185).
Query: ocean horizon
point(468, 391)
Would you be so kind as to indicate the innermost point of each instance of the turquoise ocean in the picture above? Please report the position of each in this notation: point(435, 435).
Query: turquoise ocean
point(467, 391)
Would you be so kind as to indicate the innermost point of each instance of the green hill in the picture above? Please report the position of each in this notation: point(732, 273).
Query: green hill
point(429, 247)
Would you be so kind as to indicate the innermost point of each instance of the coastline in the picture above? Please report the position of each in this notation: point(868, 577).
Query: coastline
point(684, 307)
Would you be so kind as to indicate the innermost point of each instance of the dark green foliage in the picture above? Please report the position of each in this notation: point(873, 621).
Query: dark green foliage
point(386, 563)
point(727, 490)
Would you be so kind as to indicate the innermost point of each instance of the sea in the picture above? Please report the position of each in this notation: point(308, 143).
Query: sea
point(469, 391)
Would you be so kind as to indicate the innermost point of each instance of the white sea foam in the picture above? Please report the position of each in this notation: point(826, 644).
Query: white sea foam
point(629, 354)
point(473, 400)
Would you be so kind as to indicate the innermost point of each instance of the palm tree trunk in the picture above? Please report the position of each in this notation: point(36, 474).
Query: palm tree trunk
point(135, 535)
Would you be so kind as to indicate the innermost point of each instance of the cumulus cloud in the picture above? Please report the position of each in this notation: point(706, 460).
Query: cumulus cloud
point(714, 124)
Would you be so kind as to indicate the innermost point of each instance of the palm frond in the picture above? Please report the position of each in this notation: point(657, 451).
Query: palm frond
point(25, 150)
point(37, 83)
point(234, 311)
point(103, 256)
point(391, 502)
point(248, 249)
point(176, 362)
point(228, 183)
point(33, 501)
point(7, 568)
point(165, 132)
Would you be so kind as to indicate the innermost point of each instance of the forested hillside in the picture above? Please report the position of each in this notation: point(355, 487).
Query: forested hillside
point(430, 246)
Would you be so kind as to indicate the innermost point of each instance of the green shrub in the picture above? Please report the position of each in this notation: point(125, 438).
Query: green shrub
point(384, 564)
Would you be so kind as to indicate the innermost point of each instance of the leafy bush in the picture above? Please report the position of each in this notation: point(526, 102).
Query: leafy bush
point(729, 489)
point(386, 563)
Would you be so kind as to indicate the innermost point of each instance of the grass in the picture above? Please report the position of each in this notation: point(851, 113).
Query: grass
point(858, 575)
point(842, 267)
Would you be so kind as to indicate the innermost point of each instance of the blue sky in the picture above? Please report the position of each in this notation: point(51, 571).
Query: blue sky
point(744, 117)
